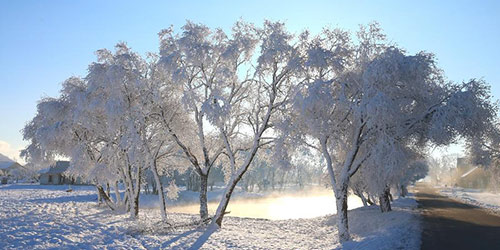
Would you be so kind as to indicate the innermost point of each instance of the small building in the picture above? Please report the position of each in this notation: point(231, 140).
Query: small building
point(55, 174)
point(471, 176)
point(10, 171)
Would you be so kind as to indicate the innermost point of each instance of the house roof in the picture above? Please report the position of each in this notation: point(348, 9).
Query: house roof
point(5, 158)
point(469, 172)
point(11, 167)
point(6, 164)
point(58, 168)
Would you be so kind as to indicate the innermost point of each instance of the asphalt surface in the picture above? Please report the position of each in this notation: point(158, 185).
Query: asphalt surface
point(450, 224)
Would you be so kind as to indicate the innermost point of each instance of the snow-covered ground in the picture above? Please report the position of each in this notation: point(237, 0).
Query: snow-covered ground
point(45, 217)
point(484, 199)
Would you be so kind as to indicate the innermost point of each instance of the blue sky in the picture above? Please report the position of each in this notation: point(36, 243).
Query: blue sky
point(44, 42)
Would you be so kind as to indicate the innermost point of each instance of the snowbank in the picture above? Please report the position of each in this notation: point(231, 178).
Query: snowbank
point(41, 217)
point(489, 201)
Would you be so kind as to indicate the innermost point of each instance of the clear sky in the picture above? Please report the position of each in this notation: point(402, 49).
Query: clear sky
point(44, 42)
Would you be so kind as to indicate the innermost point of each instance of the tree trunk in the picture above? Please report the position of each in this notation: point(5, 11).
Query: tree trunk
point(99, 197)
point(238, 174)
point(342, 222)
point(105, 197)
point(154, 188)
point(272, 181)
point(340, 196)
point(404, 191)
point(129, 191)
point(137, 192)
point(159, 190)
point(245, 185)
point(203, 196)
point(108, 189)
point(126, 202)
point(369, 200)
point(283, 181)
point(118, 196)
point(361, 196)
point(384, 200)
point(221, 210)
point(133, 191)
point(363, 200)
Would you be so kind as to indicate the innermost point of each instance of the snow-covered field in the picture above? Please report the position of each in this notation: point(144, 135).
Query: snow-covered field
point(47, 217)
point(487, 200)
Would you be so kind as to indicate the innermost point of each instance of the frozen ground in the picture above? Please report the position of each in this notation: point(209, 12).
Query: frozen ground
point(487, 200)
point(47, 217)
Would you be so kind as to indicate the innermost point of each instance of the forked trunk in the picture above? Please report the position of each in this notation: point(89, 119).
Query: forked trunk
point(129, 192)
point(104, 197)
point(221, 210)
point(236, 176)
point(363, 198)
point(360, 194)
point(340, 196)
point(133, 191)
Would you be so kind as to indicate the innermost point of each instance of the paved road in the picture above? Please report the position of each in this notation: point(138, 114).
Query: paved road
point(450, 224)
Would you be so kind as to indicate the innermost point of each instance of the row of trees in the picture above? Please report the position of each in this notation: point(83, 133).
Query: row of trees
point(261, 176)
point(210, 98)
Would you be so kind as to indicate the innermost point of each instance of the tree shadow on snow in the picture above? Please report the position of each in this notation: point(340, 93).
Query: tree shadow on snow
point(185, 238)
point(204, 237)
point(187, 234)
point(64, 199)
point(35, 186)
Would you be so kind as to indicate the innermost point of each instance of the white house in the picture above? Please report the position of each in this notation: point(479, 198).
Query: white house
point(57, 175)
point(10, 170)
point(54, 175)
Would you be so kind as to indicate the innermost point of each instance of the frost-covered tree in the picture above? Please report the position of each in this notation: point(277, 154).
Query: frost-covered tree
point(55, 132)
point(124, 88)
point(41, 132)
point(401, 165)
point(205, 64)
point(382, 95)
point(231, 95)
point(107, 125)
point(441, 169)
point(484, 151)
point(268, 93)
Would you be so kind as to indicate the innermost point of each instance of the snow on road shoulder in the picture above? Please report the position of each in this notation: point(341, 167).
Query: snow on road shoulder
point(36, 217)
point(487, 200)
point(399, 229)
